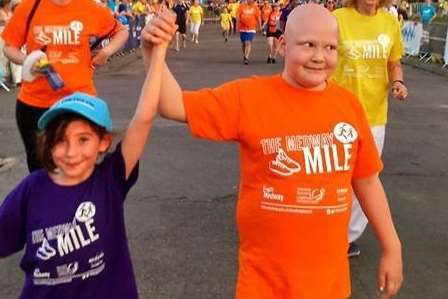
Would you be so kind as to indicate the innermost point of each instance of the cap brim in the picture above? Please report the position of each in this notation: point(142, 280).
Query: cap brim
point(51, 114)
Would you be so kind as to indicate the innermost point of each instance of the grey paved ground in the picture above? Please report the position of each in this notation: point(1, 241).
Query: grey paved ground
point(180, 215)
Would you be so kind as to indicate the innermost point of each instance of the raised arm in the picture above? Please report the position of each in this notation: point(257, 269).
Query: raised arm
point(373, 201)
point(138, 130)
point(161, 30)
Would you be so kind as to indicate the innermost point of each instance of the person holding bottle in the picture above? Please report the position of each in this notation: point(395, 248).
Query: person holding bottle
point(58, 35)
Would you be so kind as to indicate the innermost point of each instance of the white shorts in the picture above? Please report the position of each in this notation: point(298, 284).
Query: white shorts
point(194, 28)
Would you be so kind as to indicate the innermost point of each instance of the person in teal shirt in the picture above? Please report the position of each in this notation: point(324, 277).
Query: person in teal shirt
point(427, 12)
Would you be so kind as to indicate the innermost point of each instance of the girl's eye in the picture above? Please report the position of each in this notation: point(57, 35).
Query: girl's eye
point(83, 140)
point(331, 47)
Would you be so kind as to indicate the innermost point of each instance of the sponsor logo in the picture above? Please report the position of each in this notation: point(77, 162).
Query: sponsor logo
point(268, 193)
point(310, 195)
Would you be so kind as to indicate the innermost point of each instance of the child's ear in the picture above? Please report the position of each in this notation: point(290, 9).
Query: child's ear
point(281, 47)
point(105, 143)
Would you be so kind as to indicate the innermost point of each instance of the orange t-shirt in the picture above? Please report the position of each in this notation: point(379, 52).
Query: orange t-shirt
point(265, 12)
point(299, 151)
point(273, 20)
point(248, 16)
point(65, 30)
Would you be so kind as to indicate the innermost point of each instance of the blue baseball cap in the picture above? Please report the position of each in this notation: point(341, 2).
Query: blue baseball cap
point(90, 107)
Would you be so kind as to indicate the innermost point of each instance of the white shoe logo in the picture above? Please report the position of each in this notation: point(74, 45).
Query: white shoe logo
point(45, 251)
point(284, 165)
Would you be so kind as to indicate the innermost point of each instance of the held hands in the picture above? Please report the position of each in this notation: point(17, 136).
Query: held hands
point(399, 90)
point(159, 31)
point(390, 274)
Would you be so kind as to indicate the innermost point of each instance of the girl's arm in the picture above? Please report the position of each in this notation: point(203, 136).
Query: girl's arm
point(137, 133)
point(374, 204)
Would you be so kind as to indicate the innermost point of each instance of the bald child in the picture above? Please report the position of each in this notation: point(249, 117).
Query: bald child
point(304, 145)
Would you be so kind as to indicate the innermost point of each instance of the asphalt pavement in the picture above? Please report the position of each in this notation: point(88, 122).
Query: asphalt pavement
point(181, 214)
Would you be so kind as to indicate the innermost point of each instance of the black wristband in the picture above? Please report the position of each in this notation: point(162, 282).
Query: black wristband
point(399, 81)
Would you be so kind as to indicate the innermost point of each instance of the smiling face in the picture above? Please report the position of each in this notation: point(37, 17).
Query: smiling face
point(310, 47)
point(75, 155)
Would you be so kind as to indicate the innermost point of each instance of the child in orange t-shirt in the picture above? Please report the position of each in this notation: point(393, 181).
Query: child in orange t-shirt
point(248, 19)
point(305, 144)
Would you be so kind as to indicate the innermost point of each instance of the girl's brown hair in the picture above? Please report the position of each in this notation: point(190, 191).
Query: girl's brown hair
point(54, 133)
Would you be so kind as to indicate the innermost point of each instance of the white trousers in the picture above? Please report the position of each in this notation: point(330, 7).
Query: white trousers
point(194, 28)
point(358, 221)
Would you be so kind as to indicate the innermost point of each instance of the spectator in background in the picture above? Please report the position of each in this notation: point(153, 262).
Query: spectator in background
point(330, 5)
point(427, 12)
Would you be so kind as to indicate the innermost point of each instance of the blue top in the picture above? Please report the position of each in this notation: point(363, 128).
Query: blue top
point(427, 12)
point(74, 236)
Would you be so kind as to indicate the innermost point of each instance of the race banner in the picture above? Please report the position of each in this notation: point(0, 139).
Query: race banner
point(412, 33)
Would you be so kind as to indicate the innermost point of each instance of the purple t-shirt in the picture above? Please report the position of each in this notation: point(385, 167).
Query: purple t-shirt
point(74, 236)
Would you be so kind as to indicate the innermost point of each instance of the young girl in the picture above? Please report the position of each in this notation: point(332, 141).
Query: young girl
point(69, 215)
point(226, 23)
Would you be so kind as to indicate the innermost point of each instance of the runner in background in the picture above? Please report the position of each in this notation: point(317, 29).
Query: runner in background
point(196, 17)
point(226, 23)
point(181, 10)
point(233, 9)
point(273, 33)
point(266, 10)
point(70, 56)
point(248, 21)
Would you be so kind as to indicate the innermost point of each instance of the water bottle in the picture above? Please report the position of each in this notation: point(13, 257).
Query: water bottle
point(53, 78)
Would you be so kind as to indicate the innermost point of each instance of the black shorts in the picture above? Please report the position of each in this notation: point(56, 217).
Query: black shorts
point(182, 28)
point(275, 34)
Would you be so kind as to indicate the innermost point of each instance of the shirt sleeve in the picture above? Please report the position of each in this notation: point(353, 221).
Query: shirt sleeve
point(107, 24)
point(397, 49)
point(13, 220)
point(14, 32)
point(114, 170)
point(368, 161)
point(214, 113)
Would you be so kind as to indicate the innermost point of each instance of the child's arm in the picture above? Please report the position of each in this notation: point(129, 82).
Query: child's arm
point(161, 30)
point(373, 201)
point(138, 130)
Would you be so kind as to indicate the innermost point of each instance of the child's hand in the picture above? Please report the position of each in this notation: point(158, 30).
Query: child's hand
point(160, 30)
point(399, 90)
point(390, 274)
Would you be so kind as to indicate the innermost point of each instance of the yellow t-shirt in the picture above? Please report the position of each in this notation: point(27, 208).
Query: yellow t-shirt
point(195, 14)
point(138, 7)
point(233, 8)
point(226, 19)
point(366, 45)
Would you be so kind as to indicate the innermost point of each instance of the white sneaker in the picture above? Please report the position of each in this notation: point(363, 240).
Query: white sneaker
point(284, 165)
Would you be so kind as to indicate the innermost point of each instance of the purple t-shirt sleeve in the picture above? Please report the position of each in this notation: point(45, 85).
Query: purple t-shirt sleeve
point(13, 220)
point(114, 167)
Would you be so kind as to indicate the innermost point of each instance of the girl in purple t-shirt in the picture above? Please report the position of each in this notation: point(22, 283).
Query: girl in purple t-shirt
point(69, 216)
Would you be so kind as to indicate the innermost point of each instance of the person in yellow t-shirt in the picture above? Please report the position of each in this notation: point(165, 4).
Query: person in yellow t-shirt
point(195, 16)
point(139, 7)
point(370, 49)
point(233, 9)
point(226, 23)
